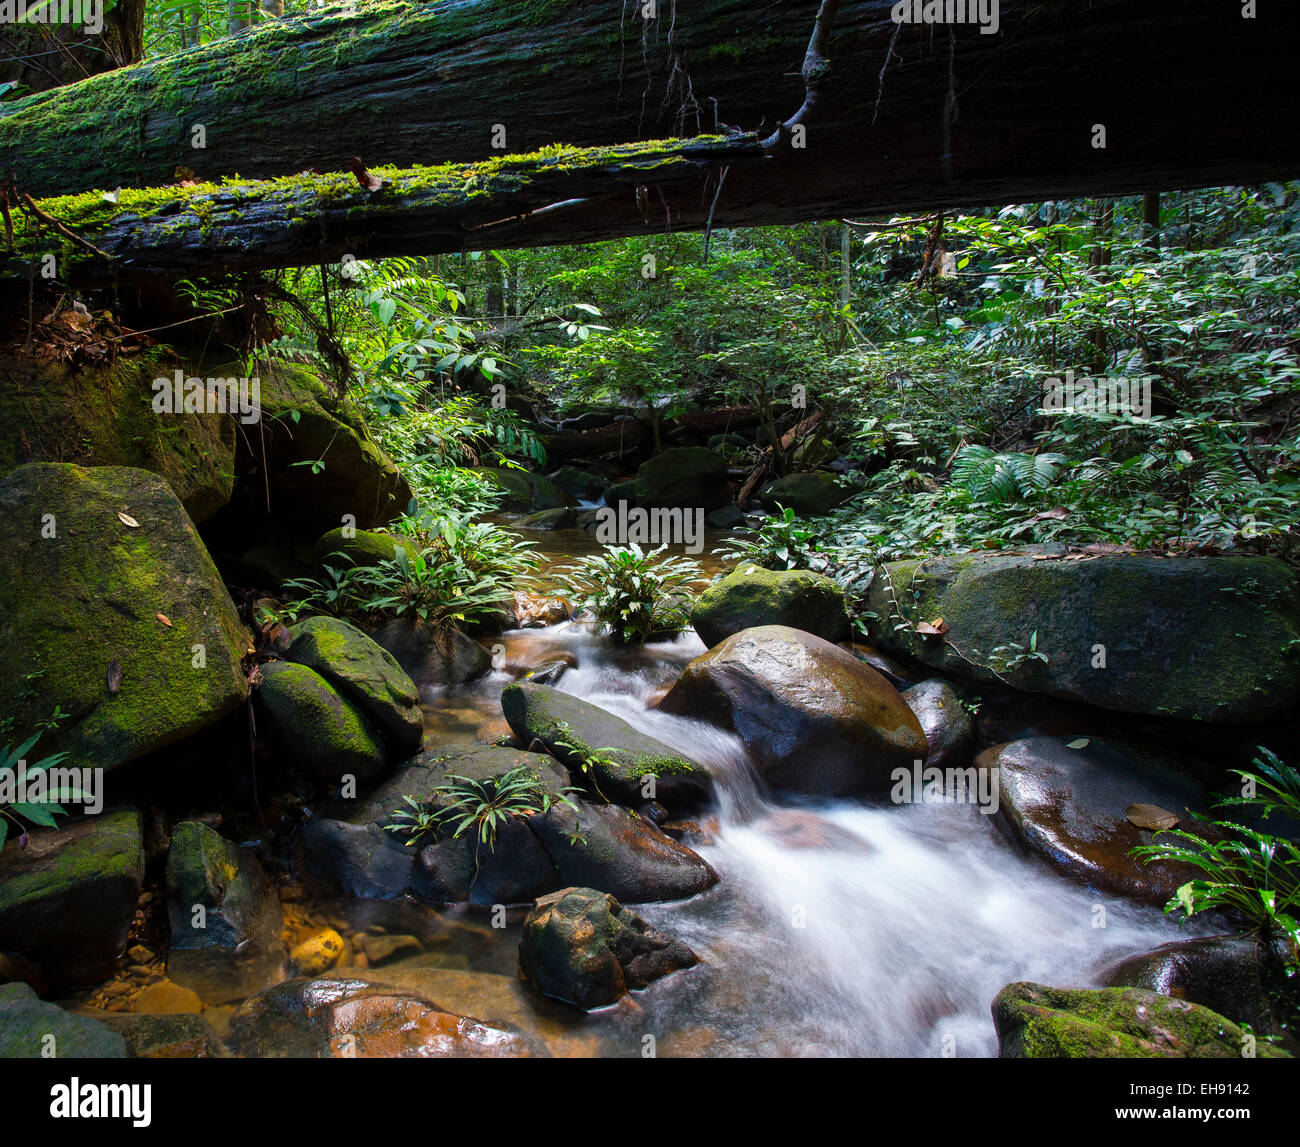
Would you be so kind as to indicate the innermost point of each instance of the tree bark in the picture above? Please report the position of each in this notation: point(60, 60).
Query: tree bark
point(45, 56)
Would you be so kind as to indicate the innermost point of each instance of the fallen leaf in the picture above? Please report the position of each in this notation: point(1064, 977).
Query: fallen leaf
point(1081, 743)
point(127, 520)
point(112, 196)
point(1059, 515)
point(936, 628)
point(368, 181)
point(114, 676)
point(1151, 816)
point(164, 619)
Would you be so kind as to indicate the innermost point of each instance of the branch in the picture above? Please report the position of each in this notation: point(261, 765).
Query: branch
point(816, 73)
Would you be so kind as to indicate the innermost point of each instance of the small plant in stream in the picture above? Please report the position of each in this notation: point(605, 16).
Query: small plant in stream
point(1245, 871)
point(634, 595)
point(588, 760)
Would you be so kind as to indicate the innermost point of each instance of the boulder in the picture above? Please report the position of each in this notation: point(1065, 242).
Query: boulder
point(541, 713)
point(225, 917)
point(809, 494)
point(580, 484)
point(126, 626)
point(343, 1018)
point(523, 491)
point(948, 727)
point(366, 674)
point(33, 1029)
point(814, 718)
point(561, 518)
point(104, 416)
point(750, 596)
point(433, 656)
point(583, 947)
point(1037, 1022)
point(302, 423)
point(166, 1037)
point(536, 611)
point(1235, 976)
point(353, 548)
point(624, 491)
point(1069, 807)
point(313, 723)
point(725, 518)
point(68, 898)
point(1206, 639)
point(688, 476)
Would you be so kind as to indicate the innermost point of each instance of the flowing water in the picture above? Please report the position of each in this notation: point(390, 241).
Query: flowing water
point(838, 928)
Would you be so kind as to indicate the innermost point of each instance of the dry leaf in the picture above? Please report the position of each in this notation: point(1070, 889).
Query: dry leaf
point(1081, 743)
point(1151, 816)
point(127, 520)
point(114, 676)
point(1058, 515)
point(164, 619)
point(363, 177)
point(936, 628)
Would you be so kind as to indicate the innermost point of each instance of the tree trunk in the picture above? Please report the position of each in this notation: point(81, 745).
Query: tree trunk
point(44, 56)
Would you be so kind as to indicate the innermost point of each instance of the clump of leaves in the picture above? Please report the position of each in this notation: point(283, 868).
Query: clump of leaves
point(1012, 656)
point(14, 767)
point(634, 595)
point(1243, 870)
point(782, 543)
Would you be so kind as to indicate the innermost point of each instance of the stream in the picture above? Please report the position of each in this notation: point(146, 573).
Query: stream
point(838, 927)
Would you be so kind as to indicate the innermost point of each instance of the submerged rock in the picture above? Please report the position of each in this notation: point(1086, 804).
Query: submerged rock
point(1069, 806)
point(121, 621)
point(560, 518)
point(225, 917)
point(68, 898)
point(751, 596)
point(949, 729)
point(539, 712)
point(1208, 639)
point(166, 1037)
point(33, 1029)
point(583, 947)
point(366, 674)
point(814, 718)
point(343, 1018)
point(313, 723)
point(1037, 1022)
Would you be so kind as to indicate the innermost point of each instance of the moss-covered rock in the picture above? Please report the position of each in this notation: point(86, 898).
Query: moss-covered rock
point(525, 490)
point(303, 423)
point(166, 1036)
point(814, 718)
point(33, 1029)
point(348, 547)
point(624, 491)
point(580, 484)
point(68, 898)
point(808, 494)
point(561, 518)
point(751, 595)
point(1037, 1022)
point(687, 476)
point(85, 591)
point(1212, 639)
point(104, 416)
point(366, 674)
point(225, 917)
point(583, 947)
point(312, 722)
point(541, 713)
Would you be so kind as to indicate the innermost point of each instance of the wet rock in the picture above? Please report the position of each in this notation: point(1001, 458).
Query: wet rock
point(1185, 654)
point(352, 548)
point(1037, 1022)
point(318, 953)
point(166, 1036)
point(548, 672)
point(1069, 807)
point(366, 674)
point(583, 947)
point(524, 491)
point(75, 605)
point(167, 999)
point(580, 484)
point(536, 611)
point(624, 491)
point(342, 1018)
point(313, 722)
point(1233, 975)
point(225, 917)
point(67, 900)
point(613, 850)
point(538, 712)
point(814, 718)
point(433, 656)
point(359, 860)
point(688, 476)
point(33, 1029)
point(948, 727)
point(808, 494)
point(897, 673)
point(16, 970)
point(751, 596)
point(381, 949)
point(560, 518)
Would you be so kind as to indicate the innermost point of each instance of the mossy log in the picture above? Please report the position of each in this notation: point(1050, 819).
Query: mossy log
point(912, 117)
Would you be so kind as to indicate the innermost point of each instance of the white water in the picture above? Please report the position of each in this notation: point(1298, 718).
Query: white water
point(840, 928)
